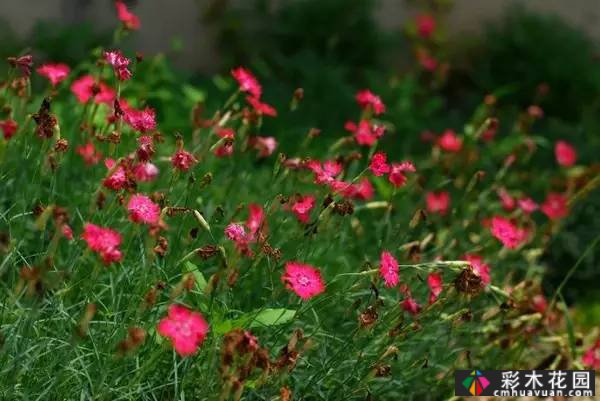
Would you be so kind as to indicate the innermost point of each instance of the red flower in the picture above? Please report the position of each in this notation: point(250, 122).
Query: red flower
point(142, 210)
point(365, 98)
point(118, 179)
point(265, 145)
point(410, 305)
point(85, 88)
point(186, 329)
point(302, 208)
point(427, 61)
point(119, 64)
point(9, 128)
point(527, 205)
point(67, 232)
point(226, 149)
point(141, 120)
point(506, 232)
point(438, 202)
point(326, 172)
point(379, 164)
point(183, 160)
point(236, 232)
point(129, 20)
point(304, 280)
point(363, 190)
point(366, 133)
point(566, 155)
point(388, 269)
point(54, 72)
point(425, 25)
point(247, 82)
point(508, 202)
point(479, 268)
point(260, 107)
point(103, 241)
point(397, 177)
point(591, 357)
point(435, 284)
point(89, 153)
point(450, 142)
point(555, 206)
point(145, 172)
point(256, 217)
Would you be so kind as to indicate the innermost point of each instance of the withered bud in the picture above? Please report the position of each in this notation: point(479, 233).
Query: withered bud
point(468, 282)
point(368, 317)
point(344, 207)
point(61, 145)
point(207, 251)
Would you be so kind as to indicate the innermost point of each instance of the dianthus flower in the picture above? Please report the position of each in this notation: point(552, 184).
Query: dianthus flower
point(565, 154)
point(555, 206)
point(183, 160)
point(303, 279)
point(425, 25)
point(185, 328)
point(397, 177)
point(591, 357)
point(324, 172)
point(141, 120)
point(247, 82)
point(302, 208)
point(379, 164)
point(130, 21)
point(261, 108)
point(67, 232)
point(85, 88)
point(265, 145)
point(23, 63)
point(388, 269)
point(362, 190)
point(366, 133)
point(119, 63)
point(118, 178)
point(89, 154)
point(508, 202)
point(236, 232)
point(256, 217)
point(142, 210)
point(9, 128)
point(435, 284)
point(103, 241)
point(450, 142)
point(479, 268)
point(54, 72)
point(527, 205)
point(145, 172)
point(365, 98)
point(506, 232)
point(438, 202)
point(226, 149)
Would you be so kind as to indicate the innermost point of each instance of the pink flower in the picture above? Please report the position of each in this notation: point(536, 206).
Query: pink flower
point(591, 357)
point(85, 88)
point(256, 217)
point(410, 305)
point(247, 82)
point(527, 205)
point(118, 179)
point(450, 142)
point(435, 284)
point(555, 206)
point(183, 160)
point(566, 155)
point(142, 210)
point(325, 172)
point(304, 280)
point(366, 133)
point(388, 269)
point(129, 20)
point(186, 329)
point(438, 202)
point(302, 208)
point(265, 145)
point(506, 232)
point(260, 107)
point(365, 98)
point(54, 72)
point(89, 154)
point(479, 268)
point(141, 120)
point(145, 172)
point(379, 164)
point(363, 190)
point(397, 177)
point(119, 63)
point(67, 232)
point(236, 232)
point(226, 149)
point(508, 202)
point(9, 128)
point(427, 61)
point(103, 241)
point(425, 25)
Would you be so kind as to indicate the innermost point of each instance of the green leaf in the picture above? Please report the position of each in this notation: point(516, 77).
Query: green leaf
point(193, 94)
point(273, 317)
point(201, 282)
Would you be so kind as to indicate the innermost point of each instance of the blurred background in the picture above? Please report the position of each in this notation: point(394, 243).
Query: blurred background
point(542, 52)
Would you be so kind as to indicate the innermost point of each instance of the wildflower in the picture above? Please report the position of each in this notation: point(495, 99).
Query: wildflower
point(186, 329)
point(506, 232)
point(365, 98)
point(129, 20)
point(103, 241)
point(145, 172)
point(236, 232)
point(591, 357)
point(425, 25)
point(247, 82)
point(303, 279)
point(145, 150)
point(508, 202)
point(434, 282)
point(325, 172)
point(141, 120)
point(479, 268)
point(54, 72)
point(527, 205)
point(9, 128)
point(183, 160)
point(226, 149)
point(119, 63)
point(388, 269)
point(397, 177)
point(142, 210)
point(450, 142)
point(426, 60)
point(555, 206)
point(366, 133)
point(438, 202)
point(410, 305)
point(260, 107)
point(67, 232)
point(565, 154)
point(265, 145)
point(539, 303)
point(379, 164)
point(118, 178)
point(24, 63)
point(302, 208)
point(363, 190)
point(89, 154)
point(85, 88)
point(256, 216)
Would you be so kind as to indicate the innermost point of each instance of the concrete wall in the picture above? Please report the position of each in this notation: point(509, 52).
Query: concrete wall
point(164, 19)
